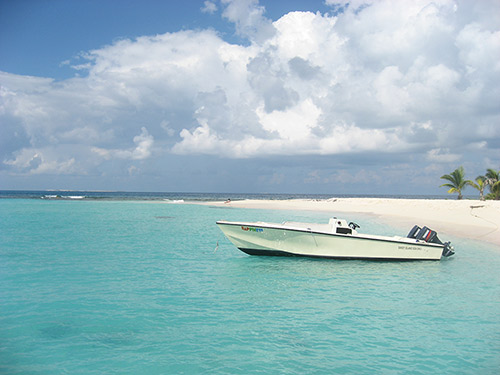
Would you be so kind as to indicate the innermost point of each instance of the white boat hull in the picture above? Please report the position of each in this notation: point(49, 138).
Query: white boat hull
point(281, 239)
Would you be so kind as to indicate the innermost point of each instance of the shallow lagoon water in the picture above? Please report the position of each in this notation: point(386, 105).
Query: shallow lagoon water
point(129, 287)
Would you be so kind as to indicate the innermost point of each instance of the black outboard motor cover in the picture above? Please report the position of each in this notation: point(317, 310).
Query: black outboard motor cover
point(413, 232)
point(433, 237)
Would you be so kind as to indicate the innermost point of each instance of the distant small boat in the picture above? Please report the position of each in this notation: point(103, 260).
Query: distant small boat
point(337, 239)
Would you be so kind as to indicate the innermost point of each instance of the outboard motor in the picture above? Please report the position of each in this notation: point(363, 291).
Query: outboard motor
point(428, 235)
point(413, 231)
point(448, 249)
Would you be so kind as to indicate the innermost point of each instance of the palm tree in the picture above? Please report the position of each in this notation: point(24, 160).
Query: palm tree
point(457, 181)
point(493, 178)
point(480, 184)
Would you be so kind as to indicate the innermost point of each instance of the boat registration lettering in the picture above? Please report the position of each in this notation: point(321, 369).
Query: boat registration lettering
point(401, 247)
point(250, 229)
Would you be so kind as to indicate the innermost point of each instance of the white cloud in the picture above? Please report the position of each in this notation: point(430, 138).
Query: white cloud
point(36, 161)
point(439, 155)
point(380, 77)
point(352, 139)
point(390, 90)
point(293, 124)
point(143, 141)
point(248, 17)
point(209, 7)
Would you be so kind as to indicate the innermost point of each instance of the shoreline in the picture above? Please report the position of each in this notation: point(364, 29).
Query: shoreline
point(471, 219)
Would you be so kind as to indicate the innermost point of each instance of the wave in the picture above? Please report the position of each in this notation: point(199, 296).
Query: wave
point(52, 196)
point(174, 200)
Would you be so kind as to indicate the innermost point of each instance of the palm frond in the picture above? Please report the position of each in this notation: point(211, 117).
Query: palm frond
point(457, 181)
point(447, 185)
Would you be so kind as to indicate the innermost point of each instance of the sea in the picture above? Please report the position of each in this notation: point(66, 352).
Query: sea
point(145, 283)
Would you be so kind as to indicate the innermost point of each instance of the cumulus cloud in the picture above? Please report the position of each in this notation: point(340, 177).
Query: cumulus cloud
point(249, 19)
point(143, 141)
point(370, 78)
point(209, 7)
point(33, 162)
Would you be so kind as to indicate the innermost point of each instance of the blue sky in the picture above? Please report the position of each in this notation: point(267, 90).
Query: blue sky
point(37, 36)
point(248, 96)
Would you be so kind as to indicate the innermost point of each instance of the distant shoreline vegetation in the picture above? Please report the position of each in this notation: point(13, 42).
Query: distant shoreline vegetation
point(177, 197)
point(457, 183)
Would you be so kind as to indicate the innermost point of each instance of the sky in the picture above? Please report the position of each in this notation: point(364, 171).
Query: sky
point(247, 96)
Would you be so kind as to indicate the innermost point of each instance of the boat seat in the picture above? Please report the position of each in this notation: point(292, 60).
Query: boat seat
point(339, 226)
point(344, 230)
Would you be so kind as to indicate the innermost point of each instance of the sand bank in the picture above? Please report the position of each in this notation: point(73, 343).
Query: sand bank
point(474, 219)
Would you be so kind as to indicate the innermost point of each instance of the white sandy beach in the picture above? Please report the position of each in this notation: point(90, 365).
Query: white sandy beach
point(474, 219)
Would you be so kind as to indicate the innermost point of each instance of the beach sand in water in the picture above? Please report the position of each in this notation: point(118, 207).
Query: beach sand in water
point(473, 219)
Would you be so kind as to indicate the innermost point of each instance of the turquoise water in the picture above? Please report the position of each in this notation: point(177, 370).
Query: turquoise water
point(124, 287)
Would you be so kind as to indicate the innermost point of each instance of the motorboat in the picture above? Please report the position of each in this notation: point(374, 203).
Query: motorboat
point(337, 239)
